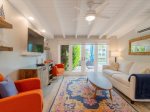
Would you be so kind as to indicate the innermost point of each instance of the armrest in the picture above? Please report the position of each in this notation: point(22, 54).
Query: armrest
point(105, 67)
point(60, 65)
point(132, 87)
point(54, 70)
point(28, 84)
point(30, 101)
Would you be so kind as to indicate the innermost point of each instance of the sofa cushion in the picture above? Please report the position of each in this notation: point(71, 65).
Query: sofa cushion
point(7, 88)
point(139, 68)
point(124, 66)
point(110, 72)
point(114, 66)
point(1, 77)
point(122, 78)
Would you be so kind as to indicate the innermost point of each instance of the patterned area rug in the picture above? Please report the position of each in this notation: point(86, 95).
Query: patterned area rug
point(76, 95)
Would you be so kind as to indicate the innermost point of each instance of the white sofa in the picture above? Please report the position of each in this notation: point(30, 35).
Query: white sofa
point(119, 78)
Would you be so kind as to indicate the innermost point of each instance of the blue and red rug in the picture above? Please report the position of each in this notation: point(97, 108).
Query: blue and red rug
point(76, 95)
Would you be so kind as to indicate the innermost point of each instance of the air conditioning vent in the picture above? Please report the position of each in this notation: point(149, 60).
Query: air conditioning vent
point(143, 30)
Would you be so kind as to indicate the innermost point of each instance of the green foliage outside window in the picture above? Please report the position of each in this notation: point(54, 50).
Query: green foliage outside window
point(76, 55)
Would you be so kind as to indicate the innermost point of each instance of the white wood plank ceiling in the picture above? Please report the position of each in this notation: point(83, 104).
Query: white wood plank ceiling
point(61, 18)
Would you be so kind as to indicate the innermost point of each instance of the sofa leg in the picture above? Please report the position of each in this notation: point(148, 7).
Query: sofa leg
point(132, 102)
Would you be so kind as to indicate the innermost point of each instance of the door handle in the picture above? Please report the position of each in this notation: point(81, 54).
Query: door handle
point(83, 58)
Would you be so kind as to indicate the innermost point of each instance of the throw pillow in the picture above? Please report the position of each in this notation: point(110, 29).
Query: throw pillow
point(114, 66)
point(139, 68)
point(124, 66)
point(1, 77)
point(7, 88)
point(146, 71)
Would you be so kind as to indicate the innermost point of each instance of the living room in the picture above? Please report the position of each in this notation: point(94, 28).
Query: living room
point(89, 55)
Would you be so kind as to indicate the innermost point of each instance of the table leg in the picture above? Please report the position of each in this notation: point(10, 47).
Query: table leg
point(110, 94)
point(95, 92)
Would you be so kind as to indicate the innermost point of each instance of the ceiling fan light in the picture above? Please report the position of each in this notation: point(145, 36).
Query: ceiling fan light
point(90, 17)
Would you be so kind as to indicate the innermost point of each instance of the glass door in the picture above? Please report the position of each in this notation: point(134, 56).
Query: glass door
point(89, 58)
point(102, 57)
point(84, 58)
point(64, 56)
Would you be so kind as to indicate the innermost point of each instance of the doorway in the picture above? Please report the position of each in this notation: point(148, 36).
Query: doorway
point(82, 58)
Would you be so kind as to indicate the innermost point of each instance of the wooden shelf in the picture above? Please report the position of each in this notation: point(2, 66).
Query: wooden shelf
point(4, 24)
point(4, 48)
point(31, 54)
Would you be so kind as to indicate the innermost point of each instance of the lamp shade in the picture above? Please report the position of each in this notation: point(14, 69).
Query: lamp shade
point(115, 54)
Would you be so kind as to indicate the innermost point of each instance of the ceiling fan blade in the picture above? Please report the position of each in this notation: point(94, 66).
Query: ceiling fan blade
point(78, 18)
point(101, 7)
point(105, 17)
point(79, 9)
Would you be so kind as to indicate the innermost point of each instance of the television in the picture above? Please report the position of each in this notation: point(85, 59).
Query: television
point(35, 42)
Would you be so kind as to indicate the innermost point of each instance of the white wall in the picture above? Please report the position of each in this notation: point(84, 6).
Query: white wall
point(10, 62)
point(54, 44)
point(123, 44)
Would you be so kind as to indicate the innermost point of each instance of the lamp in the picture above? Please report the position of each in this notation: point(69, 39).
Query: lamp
point(115, 54)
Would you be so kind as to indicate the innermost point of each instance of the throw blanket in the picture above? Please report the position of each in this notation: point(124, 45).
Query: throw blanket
point(142, 86)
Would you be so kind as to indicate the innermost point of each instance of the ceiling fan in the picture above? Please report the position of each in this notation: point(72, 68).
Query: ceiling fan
point(91, 13)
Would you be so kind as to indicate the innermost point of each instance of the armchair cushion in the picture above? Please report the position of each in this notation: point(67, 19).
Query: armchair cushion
point(1, 77)
point(7, 88)
point(60, 71)
point(30, 101)
point(28, 84)
point(60, 65)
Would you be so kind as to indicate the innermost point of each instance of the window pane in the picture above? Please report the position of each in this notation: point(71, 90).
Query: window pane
point(89, 57)
point(65, 56)
point(102, 57)
point(76, 58)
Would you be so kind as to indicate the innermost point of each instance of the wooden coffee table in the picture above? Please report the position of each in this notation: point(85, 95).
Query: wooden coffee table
point(100, 82)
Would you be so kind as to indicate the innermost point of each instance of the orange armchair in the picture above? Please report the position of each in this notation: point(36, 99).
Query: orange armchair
point(58, 69)
point(29, 98)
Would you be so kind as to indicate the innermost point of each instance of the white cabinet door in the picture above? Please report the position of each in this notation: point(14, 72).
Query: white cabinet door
point(43, 75)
